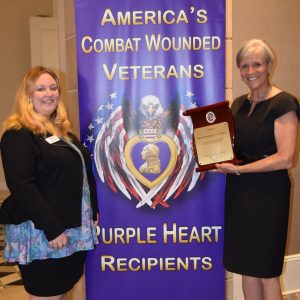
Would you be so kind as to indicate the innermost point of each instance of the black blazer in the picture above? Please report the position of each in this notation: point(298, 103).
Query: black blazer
point(45, 181)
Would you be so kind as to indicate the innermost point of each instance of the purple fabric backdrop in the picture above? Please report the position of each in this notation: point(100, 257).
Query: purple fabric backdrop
point(140, 65)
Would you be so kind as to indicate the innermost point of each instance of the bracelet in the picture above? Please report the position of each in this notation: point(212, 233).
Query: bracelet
point(237, 171)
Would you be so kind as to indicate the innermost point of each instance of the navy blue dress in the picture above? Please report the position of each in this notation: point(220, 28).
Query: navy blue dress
point(257, 204)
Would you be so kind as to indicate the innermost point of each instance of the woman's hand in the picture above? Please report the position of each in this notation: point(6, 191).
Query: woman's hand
point(59, 242)
point(96, 222)
point(227, 168)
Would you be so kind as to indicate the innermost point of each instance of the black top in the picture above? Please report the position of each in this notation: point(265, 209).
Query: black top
point(254, 134)
point(45, 181)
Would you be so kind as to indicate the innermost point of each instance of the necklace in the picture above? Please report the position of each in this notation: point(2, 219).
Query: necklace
point(264, 97)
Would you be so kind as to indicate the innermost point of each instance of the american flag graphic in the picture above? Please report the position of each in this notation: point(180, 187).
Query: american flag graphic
point(106, 138)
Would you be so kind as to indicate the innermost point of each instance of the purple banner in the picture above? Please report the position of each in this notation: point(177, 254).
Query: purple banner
point(140, 65)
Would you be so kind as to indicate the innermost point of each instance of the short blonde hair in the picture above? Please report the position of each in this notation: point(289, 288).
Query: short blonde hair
point(24, 115)
point(256, 46)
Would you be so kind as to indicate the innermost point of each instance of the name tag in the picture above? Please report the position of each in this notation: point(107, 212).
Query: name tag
point(52, 139)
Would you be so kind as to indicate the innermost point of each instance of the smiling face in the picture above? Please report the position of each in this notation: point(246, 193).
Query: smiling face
point(255, 71)
point(45, 96)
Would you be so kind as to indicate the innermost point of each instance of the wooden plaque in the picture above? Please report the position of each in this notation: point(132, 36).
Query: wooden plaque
point(213, 137)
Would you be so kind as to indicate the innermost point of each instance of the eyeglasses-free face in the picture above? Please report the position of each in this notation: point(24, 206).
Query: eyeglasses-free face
point(45, 96)
point(255, 71)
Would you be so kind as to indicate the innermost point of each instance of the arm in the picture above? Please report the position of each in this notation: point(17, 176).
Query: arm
point(90, 177)
point(285, 131)
point(19, 154)
point(93, 189)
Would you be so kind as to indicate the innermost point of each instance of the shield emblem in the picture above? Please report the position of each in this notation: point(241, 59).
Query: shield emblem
point(150, 161)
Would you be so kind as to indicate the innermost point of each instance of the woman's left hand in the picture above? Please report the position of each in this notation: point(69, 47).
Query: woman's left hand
point(96, 222)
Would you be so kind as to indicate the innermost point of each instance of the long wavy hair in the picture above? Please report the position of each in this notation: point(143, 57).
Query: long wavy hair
point(24, 116)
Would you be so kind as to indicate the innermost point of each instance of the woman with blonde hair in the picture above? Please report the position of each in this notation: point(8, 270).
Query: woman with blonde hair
point(50, 216)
